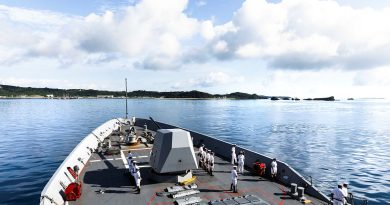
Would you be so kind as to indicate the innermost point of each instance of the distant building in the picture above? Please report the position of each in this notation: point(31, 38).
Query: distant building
point(105, 96)
point(50, 96)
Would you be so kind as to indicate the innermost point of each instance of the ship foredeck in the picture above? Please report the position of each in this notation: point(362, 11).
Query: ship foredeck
point(106, 180)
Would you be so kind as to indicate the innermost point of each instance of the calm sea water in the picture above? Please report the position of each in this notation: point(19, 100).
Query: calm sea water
point(330, 141)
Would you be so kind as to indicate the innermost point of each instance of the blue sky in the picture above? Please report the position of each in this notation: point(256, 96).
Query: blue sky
point(303, 48)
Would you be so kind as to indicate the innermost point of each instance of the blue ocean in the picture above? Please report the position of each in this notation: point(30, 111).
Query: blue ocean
point(330, 141)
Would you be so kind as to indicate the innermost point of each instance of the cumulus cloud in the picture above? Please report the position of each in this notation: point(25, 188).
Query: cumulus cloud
point(307, 34)
point(151, 33)
point(45, 82)
point(291, 34)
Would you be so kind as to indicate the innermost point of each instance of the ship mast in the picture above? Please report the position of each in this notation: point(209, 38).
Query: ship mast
point(126, 97)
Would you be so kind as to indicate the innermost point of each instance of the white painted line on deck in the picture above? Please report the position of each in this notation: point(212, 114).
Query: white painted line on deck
point(146, 148)
point(124, 160)
point(102, 160)
point(137, 157)
point(144, 166)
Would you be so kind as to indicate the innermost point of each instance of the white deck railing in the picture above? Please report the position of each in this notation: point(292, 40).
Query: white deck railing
point(53, 191)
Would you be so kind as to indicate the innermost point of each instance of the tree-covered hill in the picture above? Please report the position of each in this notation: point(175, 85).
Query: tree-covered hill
point(15, 91)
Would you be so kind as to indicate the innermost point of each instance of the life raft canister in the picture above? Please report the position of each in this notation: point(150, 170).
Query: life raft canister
point(73, 191)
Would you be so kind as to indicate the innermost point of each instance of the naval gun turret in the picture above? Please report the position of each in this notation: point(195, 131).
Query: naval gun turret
point(173, 155)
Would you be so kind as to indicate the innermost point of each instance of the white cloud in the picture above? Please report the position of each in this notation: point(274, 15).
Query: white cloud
point(221, 47)
point(46, 82)
point(309, 34)
point(293, 34)
point(150, 31)
point(201, 3)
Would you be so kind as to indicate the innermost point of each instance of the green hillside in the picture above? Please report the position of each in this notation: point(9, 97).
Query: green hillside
point(15, 91)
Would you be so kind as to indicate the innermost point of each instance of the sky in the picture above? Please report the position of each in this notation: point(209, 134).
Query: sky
point(298, 48)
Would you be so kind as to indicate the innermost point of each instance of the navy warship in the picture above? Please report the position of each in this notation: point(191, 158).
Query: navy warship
point(141, 161)
point(97, 171)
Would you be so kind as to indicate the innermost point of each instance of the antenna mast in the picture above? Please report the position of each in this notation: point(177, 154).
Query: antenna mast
point(126, 96)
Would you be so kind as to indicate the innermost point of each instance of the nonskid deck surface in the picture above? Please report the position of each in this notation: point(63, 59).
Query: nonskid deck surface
point(106, 181)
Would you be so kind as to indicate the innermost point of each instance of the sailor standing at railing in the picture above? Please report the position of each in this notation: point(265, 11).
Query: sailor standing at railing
point(133, 120)
point(200, 154)
point(338, 195)
point(203, 158)
point(233, 185)
point(200, 150)
point(234, 157)
point(207, 164)
point(274, 169)
point(344, 189)
point(211, 168)
point(241, 159)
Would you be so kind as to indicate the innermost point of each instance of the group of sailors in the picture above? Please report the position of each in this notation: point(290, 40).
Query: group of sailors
point(240, 159)
point(206, 159)
point(134, 171)
point(340, 194)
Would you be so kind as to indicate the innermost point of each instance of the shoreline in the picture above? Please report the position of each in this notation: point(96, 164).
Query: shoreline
point(115, 98)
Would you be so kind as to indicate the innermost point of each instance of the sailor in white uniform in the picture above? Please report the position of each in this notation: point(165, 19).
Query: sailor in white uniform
point(274, 169)
point(211, 164)
point(344, 189)
point(207, 164)
point(135, 167)
point(130, 162)
point(133, 120)
point(234, 157)
point(138, 178)
point(131, 170)
point(203, 158)
point(241, 160)
point(200, 158)
point(338, 195)
point(233, 185)
point(200, 150)
point(130, 155)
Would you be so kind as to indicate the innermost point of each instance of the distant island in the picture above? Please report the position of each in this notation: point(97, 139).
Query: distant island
point(9, 91)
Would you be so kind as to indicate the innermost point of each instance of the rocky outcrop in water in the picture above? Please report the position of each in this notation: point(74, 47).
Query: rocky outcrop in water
point(331, 98)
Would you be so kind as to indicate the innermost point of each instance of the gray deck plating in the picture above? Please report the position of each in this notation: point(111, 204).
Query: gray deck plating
point(106, 181)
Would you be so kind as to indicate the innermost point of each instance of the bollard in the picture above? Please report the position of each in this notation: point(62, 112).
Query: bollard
point(301, 193)
point(293, 189)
